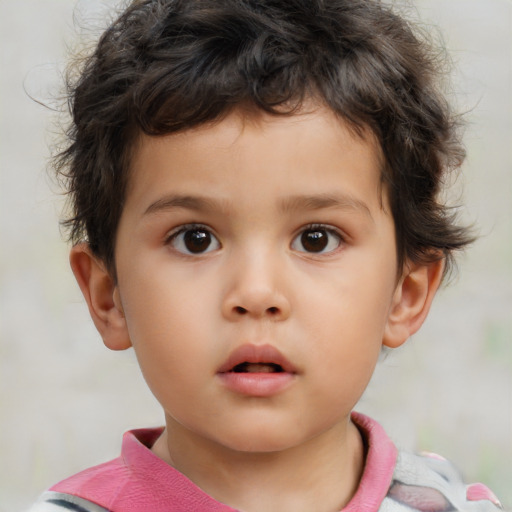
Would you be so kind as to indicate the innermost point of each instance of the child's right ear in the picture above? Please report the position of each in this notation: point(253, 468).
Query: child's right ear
point(102, 297)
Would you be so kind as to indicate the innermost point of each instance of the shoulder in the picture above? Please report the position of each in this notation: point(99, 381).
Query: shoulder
point(51, 501)
point(428, 482)
point(136, 481)
point(405, 482)
point(84, 491)
point(100, 487)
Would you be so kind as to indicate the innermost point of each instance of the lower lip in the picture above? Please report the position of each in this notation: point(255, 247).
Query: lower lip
point(257, 384)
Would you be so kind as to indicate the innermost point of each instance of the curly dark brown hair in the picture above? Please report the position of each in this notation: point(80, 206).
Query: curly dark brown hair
point(168, 65)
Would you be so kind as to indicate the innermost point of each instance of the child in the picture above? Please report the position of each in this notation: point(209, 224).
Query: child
point(255, 210)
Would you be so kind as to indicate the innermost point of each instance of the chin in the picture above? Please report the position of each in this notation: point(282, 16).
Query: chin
point(262, 439)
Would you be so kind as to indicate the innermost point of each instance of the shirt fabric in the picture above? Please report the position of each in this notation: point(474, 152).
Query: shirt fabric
point(392, 481)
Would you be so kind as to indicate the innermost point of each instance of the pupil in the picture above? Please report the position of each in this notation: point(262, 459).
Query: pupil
point(197, 240)
point(314, 241)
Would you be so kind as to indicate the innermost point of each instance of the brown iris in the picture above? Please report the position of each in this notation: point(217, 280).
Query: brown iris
point(314, 240)
point(197, 240)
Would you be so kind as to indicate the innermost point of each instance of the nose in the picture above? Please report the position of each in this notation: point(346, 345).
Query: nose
point(256, 290)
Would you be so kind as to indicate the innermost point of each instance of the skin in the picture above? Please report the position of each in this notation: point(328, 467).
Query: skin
point(255, 184)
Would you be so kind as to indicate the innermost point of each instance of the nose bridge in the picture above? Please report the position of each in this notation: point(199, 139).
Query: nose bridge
point(257, 285)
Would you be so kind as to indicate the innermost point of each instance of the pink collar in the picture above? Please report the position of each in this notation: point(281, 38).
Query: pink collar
point(375, 482)
point(379, 466)
point(139, 480)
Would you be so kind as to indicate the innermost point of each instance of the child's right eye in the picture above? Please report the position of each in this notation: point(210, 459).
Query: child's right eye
point(193, 239)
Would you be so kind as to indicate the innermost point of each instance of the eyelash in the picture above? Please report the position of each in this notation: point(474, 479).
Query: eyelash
point(179, 244)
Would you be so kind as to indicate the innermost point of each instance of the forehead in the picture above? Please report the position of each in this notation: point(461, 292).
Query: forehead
point(246, 149)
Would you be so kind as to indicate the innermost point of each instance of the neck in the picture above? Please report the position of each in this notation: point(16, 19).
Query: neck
point(322, 474)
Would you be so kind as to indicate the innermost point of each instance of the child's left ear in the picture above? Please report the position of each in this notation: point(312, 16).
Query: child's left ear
point(411, 302)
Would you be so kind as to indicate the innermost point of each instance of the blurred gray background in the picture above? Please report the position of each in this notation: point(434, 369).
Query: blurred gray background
point(65, 400)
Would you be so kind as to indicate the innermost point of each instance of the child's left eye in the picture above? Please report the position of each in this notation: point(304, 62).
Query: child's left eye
point(317, 240)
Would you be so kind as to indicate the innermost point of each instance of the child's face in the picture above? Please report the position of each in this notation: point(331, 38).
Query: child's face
point(246, 239)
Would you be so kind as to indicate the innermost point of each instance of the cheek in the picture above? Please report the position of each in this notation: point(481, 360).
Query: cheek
point(158, 299)
point(173, 353)
point(169, 318)
point(357, 297)
point(346, 318)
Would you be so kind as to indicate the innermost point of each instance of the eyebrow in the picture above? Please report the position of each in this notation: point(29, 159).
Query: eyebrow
point(289, 204)
point(171, 202)
point(326, 201)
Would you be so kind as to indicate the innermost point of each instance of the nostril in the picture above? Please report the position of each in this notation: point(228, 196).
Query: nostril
point(242, 311)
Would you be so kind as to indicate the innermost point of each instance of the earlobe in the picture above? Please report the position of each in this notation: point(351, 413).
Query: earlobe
point(102, 297)
point(412, 300)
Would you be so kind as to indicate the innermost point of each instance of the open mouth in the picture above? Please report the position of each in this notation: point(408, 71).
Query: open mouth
point(247, 367)
point(257, 371)
point(259, 359)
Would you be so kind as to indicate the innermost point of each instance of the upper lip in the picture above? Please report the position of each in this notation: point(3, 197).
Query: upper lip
point(257, 354)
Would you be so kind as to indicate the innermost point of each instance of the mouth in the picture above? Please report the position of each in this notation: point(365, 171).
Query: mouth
point(257, 359)
point(257, 371)
point(247, 367)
